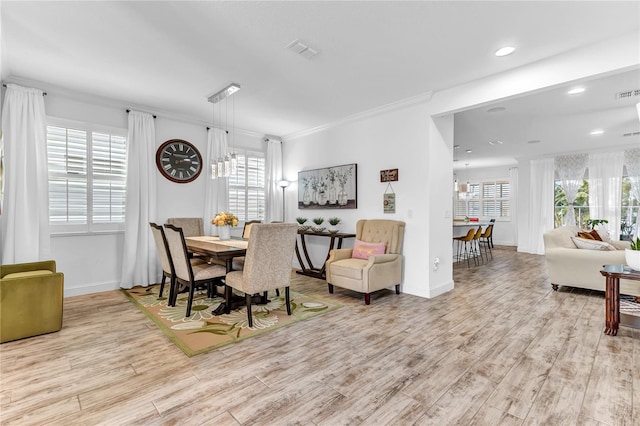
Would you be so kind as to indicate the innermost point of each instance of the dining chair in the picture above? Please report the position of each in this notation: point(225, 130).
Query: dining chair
point(246, 231)
point(465, 242)
point(267, 264)
point(191, 226)
point(188, 274)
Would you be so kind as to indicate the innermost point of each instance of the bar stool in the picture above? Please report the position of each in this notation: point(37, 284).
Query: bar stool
point(475, 246)
point(486, 239)
point(467, 240)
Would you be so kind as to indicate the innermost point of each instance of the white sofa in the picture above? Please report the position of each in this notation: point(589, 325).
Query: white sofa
point(572, 267)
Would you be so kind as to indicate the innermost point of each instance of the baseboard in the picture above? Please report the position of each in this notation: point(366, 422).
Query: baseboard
point(91, 288)
point(429, 293)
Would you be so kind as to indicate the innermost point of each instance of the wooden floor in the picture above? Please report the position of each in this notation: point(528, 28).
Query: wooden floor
point(500, 349)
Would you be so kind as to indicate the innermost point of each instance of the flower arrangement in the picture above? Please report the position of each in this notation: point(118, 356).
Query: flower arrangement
point(333, 221)
point(225, 218)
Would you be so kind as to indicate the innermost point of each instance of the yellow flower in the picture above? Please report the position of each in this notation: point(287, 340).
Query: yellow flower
point(225, 218)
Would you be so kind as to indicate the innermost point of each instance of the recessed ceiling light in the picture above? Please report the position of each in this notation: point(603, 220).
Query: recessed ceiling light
point(504, 51)
point(596, 132)
point(576, 90)
point(493, 143)
point(468, 151)
point(456, 147)
point(496, 109)
point(534, 141)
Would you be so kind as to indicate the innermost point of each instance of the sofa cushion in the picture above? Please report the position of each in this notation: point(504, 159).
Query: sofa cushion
point(583, 243)
point(349, 268)
point(362, 250)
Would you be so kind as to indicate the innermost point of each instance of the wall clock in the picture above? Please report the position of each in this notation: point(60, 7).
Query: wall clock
point(179, 161)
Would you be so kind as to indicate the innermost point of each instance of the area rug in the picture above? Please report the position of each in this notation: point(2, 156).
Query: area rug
point(203, 331)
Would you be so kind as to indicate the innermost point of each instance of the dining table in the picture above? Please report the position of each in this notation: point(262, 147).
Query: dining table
point(223, 250)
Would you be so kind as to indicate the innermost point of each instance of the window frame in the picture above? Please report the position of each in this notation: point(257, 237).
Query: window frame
point(90, 227)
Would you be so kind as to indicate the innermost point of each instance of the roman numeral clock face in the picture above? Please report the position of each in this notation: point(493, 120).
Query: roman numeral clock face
point(179, 161)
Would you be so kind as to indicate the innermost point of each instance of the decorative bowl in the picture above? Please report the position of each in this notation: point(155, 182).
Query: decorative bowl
point(318, 229)
point(304, 227)
point(633, 258)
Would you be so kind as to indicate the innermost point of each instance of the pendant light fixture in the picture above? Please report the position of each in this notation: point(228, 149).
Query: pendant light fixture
point(226, 164)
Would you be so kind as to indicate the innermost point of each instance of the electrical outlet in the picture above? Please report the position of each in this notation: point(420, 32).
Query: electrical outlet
point(436, 263)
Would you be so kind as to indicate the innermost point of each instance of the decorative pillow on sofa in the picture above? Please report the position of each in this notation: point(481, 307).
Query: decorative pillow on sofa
point(362, 250)
point(583, 243)
point(603, 233)
point(587, 236)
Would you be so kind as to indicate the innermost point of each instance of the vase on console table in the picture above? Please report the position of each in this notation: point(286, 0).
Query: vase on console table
point(224, 232)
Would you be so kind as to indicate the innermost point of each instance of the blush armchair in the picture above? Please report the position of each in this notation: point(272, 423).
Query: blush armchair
point(366, 273)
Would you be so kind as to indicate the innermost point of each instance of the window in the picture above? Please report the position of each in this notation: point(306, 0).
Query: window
point(87, 178)
point(246, 187)
point(580, 205)
point(493, 201)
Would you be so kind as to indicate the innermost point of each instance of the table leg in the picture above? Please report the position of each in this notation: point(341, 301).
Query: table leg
point(612, 306)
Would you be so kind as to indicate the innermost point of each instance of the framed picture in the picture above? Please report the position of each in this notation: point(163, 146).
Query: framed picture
point(329, 188)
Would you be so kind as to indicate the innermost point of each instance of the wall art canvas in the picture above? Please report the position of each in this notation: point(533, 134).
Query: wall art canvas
point(329, 188)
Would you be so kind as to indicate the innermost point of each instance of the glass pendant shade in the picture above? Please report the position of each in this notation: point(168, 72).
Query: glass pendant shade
point(214, 170)
point(227, 166)
point(220, 167)
point(234, 164)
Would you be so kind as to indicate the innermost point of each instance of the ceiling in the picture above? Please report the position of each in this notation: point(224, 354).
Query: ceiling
point(169, 56)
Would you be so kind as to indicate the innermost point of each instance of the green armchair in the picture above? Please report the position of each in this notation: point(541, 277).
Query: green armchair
point(30, 300)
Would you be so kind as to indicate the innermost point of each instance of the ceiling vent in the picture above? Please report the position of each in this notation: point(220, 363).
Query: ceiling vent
point(302, 49)
point(631, 134)
point(628, 94)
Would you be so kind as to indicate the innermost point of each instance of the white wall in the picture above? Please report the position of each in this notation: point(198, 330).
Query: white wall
point(93, 263)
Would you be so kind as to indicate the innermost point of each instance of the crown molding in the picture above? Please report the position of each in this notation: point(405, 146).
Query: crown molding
point(403, 103)
point(53, 90)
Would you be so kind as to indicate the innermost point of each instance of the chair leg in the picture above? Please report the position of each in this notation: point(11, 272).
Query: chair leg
point(367, 299)
point(287, 300)
point(265, 298)
point(330, 288)
point(397, 288)
point(227, 299)
point(192, 290)
point(247, 298)
point(172, 292)
point(164, 278)
point(277, 292)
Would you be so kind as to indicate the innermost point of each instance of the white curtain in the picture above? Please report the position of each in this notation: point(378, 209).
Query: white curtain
point(513, 201)
point(540, 203)
point(273, 174)
point(632, 161)
point(216, 197)
point(139, 259)
point(24, 223)
point(571, 169)
point(605, 189)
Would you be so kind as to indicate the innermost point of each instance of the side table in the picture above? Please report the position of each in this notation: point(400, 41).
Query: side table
point(613, 273)
point(307, 267)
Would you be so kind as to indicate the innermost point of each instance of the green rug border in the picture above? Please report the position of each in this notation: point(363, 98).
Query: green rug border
point(176, 341)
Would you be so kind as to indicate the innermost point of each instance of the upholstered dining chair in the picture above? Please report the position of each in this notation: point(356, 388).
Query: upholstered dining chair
point(374, 263)
point(246, 231)
point(186, 273)
point(267, 264)
point(191, 226)
point(165, 259)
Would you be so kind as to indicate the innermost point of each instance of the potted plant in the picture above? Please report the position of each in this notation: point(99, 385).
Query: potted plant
point(632, 255)
point(301, 221)
point(592, 223)
point(318, 221)
point(334, 221)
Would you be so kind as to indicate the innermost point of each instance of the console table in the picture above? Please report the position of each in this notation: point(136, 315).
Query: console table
point(307, 267)
point(613, 273)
